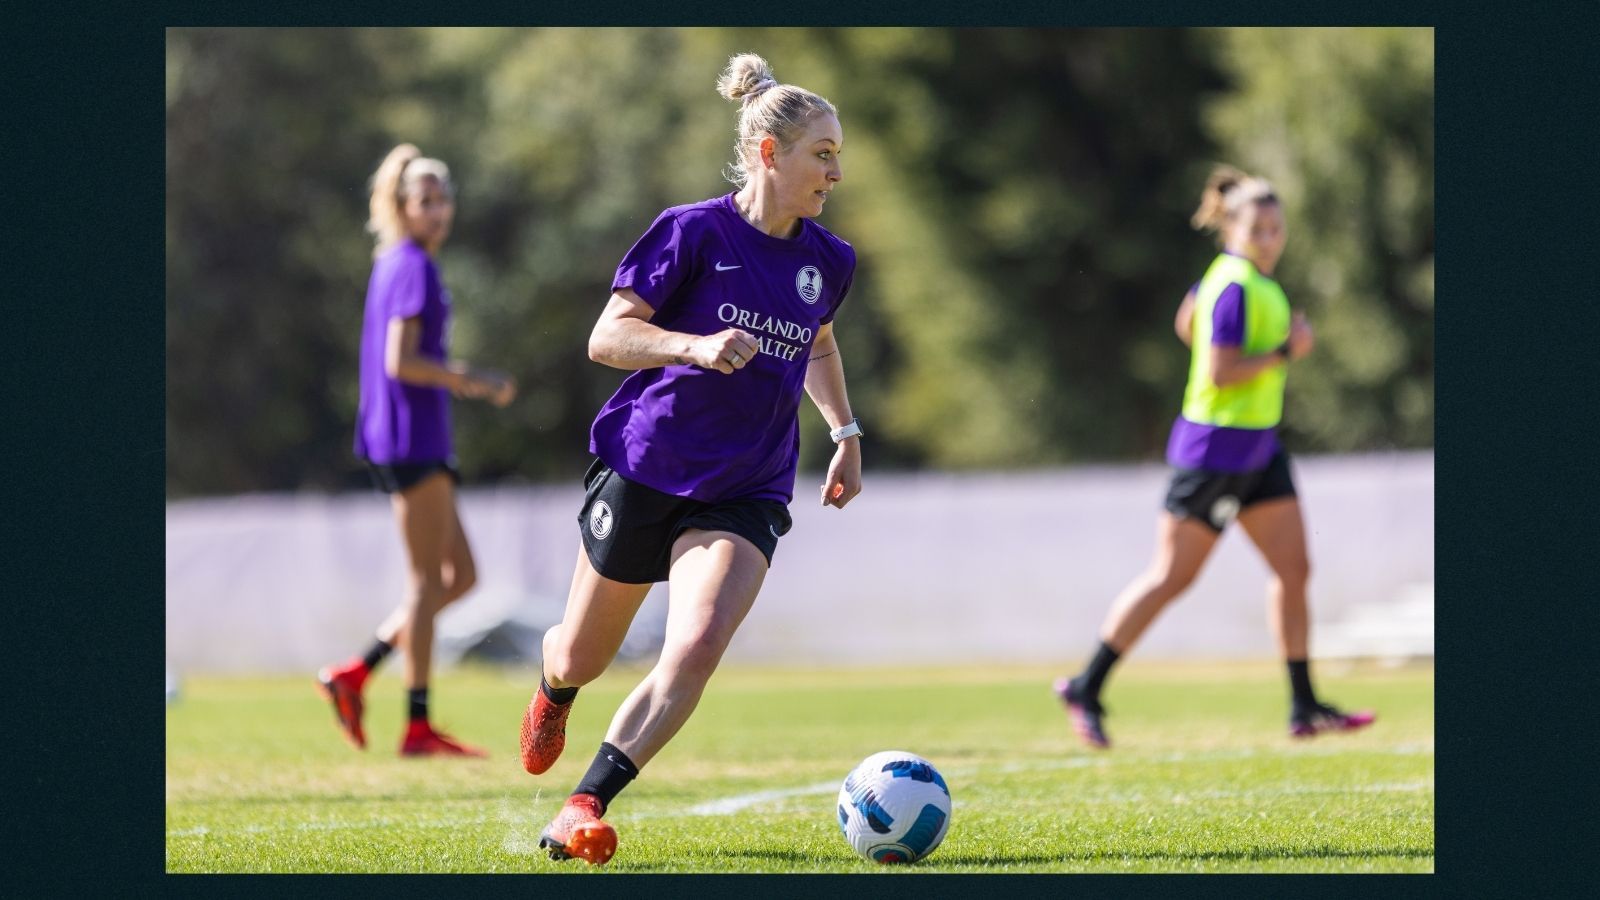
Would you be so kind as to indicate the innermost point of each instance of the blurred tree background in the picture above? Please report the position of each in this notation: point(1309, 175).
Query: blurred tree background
point(1018, 198)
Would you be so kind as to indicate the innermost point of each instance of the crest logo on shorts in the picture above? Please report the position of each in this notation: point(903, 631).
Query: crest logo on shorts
point(1224, 510)
point(808, 282)
point(600, 520)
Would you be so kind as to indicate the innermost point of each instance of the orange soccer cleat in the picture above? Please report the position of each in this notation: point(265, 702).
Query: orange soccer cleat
point(544, 732)
point(578, 832)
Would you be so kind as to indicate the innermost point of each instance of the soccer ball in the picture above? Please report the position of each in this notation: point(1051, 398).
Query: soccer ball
point(894, 807)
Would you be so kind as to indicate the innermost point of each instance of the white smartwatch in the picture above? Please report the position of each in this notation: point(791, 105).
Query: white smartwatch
point(845, 431)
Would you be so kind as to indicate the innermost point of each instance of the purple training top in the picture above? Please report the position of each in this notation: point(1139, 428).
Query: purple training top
point(694, 432)
point(1215, 447)
point(403, 423)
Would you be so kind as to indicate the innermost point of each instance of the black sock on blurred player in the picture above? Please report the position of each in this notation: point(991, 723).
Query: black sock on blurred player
point(1300, 684)
point(418, 700)
point(379, 650)
point(608, 775)
point(558, 696)
point(1092, 677)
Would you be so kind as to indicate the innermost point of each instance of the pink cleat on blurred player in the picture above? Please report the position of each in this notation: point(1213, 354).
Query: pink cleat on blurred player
point(1322, 717)
point(1085, 714)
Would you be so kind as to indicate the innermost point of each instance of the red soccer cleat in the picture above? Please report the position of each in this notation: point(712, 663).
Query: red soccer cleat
point(544, 733)
point(1323, 718)
point(578, 832)
point(422, 740)
point(342, 688)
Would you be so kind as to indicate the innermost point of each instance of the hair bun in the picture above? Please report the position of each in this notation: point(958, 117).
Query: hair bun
point(746, 76)
point(760, 88)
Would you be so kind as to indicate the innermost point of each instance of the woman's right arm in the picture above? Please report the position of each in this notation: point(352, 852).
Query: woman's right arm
point(402, 362)
point(1184, 323)
point(624, 338)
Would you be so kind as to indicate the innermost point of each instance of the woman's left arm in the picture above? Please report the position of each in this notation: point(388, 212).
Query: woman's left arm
point(825, 387)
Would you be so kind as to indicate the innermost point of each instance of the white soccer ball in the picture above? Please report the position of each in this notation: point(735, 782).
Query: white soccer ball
point(894, 807)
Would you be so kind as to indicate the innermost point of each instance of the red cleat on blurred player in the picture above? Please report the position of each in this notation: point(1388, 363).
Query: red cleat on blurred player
point(422, 740)
point(342, 688)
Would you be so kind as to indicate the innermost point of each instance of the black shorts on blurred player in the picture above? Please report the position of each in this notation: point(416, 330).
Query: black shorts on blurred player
point(1215, 498)
point(395, 478)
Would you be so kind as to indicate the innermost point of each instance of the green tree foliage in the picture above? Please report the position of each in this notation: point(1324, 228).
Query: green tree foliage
point(269, 139)
point(1018, 199)
point(1342, 121)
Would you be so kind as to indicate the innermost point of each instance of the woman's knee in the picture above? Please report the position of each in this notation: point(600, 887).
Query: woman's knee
point(426, 596)
point(463, 578)
point(1168, 583)
point(1294, 573)
point(697, 654)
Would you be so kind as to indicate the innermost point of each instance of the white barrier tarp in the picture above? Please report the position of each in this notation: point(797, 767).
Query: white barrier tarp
point(921, 568)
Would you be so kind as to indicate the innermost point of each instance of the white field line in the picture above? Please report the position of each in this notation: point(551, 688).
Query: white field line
point(737, 802)
point(726, 805)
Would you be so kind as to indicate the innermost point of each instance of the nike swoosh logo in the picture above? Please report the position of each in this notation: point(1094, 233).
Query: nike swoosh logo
point(723, 268)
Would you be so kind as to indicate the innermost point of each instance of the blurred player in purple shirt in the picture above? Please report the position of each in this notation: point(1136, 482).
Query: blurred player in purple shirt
point(1229, 464)
point(403, 433)
point(722, 312)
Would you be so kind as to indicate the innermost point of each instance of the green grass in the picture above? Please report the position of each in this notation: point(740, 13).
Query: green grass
point(1202, 778)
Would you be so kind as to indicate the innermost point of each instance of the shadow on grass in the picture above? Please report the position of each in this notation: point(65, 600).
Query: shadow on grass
point(942, 861)
point(482, 796)
point(1252, 854)
point(701, 864)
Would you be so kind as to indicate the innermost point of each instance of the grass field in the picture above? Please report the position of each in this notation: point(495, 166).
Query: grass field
point(1202, 778)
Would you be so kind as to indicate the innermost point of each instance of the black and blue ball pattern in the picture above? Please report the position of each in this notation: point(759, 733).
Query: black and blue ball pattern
point(894, 807)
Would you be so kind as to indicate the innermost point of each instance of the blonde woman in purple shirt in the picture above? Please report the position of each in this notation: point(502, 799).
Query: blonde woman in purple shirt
point(403, 433)
point(722, 313)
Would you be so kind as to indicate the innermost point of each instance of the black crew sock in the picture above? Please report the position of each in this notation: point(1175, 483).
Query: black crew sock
point(1090, 680)
point(418, 698)
point(558, 696)
point(1302, 697)
point(380, 649)
point(608, 775)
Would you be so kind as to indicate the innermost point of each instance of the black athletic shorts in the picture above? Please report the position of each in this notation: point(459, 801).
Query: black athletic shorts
point(394, 478)
point(628, 529)
point(1215, 498)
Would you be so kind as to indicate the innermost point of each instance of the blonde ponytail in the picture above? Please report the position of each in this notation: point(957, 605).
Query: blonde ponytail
point(1213, 211)
point(391, 184)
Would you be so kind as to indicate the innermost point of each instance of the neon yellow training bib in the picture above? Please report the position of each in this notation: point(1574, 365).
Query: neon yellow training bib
point(1257, 403)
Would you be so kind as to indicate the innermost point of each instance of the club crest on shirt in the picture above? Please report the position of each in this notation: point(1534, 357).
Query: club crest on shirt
point(808, 281)
point(600, 519)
